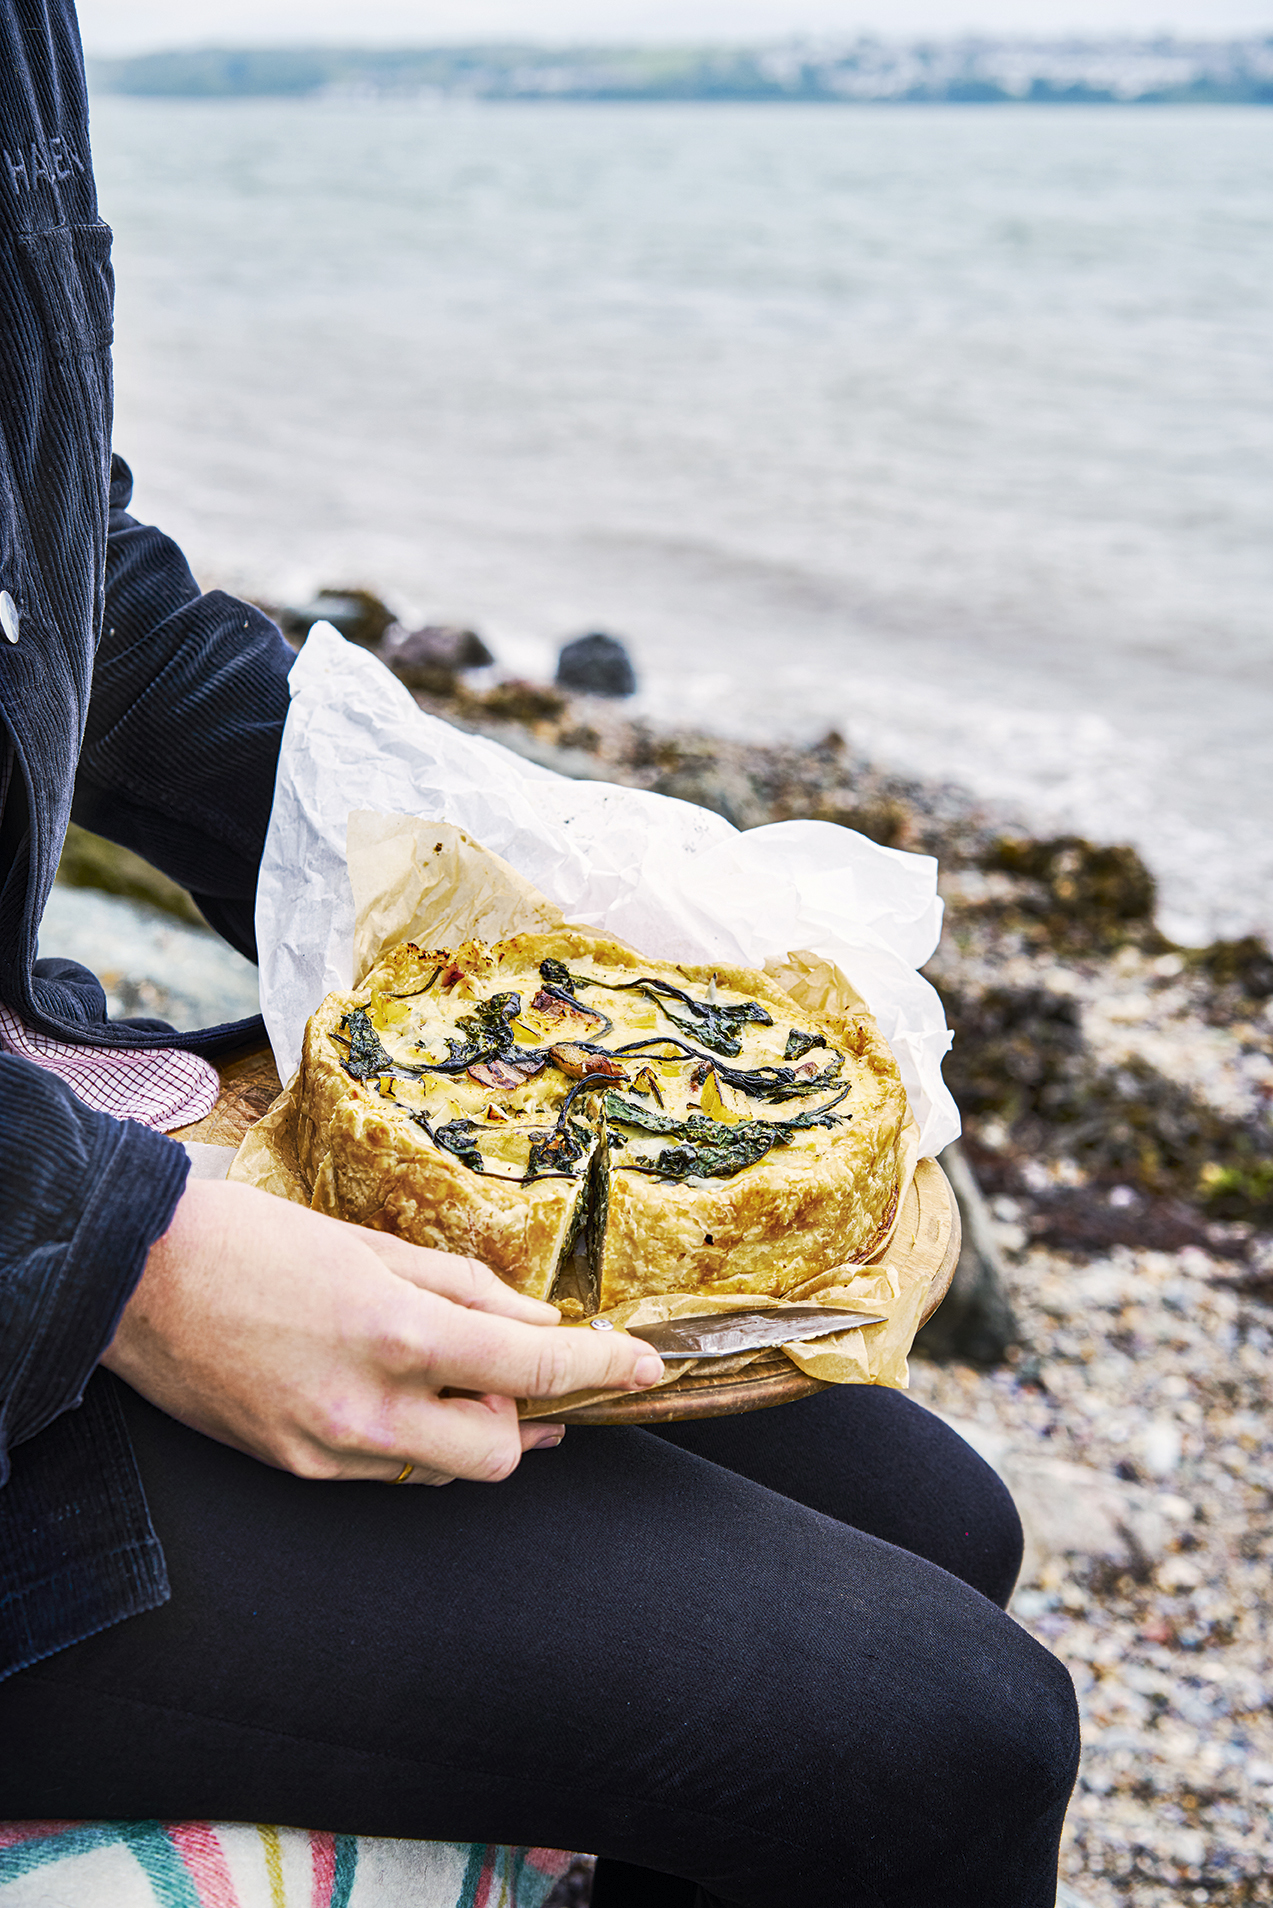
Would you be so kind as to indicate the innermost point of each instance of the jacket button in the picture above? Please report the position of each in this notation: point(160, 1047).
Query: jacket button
point(10, 621)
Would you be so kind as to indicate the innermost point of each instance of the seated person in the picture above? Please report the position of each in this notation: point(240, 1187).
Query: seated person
point(746, 1660)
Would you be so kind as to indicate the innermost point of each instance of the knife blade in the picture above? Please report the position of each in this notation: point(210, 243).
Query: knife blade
point(722, 1334)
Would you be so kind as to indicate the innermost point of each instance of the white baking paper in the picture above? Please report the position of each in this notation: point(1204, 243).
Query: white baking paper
point(675, 880)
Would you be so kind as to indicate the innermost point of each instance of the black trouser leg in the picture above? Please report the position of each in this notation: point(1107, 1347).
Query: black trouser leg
point(874, 1459)
point(626, 1648)
point(621, 1885)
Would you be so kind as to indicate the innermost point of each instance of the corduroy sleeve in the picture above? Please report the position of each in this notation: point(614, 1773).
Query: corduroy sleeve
point(82, 1199)
point(185, 721)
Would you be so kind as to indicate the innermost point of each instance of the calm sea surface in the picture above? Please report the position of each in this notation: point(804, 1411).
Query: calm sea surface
point(950, 426)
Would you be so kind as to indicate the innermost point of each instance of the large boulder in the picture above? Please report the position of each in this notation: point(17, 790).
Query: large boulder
point(431, 658)
point(596, 665)
point(1075, 1511)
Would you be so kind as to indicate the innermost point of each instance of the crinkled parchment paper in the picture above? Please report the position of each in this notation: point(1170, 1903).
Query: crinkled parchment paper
point(429, 881)
point(672, 879)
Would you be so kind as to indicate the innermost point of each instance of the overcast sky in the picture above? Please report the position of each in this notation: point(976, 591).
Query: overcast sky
point(124, 26)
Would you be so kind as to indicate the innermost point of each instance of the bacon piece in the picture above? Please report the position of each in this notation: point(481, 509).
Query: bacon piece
point(505, 1073)
point(564, 1016)
point(578, 1063)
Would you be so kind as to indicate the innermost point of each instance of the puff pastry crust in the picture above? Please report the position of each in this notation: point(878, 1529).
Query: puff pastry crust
point(595, 1125)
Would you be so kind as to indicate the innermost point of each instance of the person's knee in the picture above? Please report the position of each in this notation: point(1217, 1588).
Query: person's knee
point(1016, 1739)
point(966, 1790)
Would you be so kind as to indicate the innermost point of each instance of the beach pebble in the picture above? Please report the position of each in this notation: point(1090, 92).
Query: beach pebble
point(1158, 1446)
point(1072, 1511)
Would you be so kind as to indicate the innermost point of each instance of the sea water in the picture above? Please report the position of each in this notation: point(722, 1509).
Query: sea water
point(949, 427)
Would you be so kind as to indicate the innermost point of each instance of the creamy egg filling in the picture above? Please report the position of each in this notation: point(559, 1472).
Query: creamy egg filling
point(609, 1048)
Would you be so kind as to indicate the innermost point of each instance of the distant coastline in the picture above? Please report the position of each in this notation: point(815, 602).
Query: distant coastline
point(970, 70)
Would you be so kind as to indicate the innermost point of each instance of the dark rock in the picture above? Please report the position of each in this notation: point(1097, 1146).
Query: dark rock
point(725, 790)
point(596, 665)
point(358, 614)
point(431, 658)
point(975, 1320)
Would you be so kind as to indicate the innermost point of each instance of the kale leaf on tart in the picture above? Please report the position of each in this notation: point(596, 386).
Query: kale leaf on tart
point(595, 1125)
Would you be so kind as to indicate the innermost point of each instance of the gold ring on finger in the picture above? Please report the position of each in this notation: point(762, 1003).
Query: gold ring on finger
point(403, 1474)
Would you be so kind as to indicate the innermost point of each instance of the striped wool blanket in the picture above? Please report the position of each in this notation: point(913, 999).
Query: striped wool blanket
point(230, 1865)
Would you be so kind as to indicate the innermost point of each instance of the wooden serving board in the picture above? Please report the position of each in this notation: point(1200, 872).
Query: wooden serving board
point(249, 1087)
point(930, 1219)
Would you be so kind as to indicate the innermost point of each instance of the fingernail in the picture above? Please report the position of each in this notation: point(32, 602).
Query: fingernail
point(648, 1370)
point(547, 1438)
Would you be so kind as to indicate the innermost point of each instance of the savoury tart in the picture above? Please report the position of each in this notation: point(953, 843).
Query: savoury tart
point(595, 1125)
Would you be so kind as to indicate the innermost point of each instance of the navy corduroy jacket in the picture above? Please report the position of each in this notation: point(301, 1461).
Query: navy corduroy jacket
point(153, 714)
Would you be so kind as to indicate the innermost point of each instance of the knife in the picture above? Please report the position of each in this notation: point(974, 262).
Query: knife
point(721, 1334)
